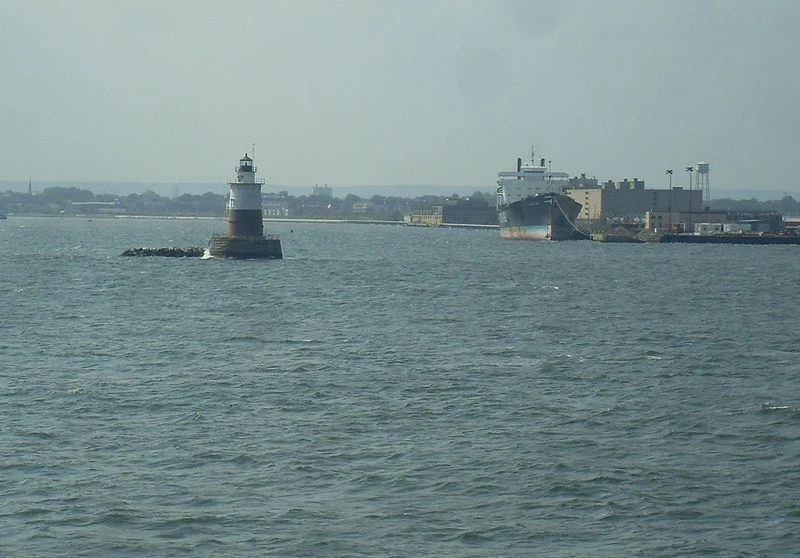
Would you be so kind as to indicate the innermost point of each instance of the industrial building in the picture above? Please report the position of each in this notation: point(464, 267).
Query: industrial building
point(430, 216)
point(628, 199)
point(458, 211)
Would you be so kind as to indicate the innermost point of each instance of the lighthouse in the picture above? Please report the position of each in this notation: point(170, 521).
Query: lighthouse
point(245, 238)
point(244, 202)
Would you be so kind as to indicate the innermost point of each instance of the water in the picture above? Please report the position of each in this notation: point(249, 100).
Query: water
point(394, 391)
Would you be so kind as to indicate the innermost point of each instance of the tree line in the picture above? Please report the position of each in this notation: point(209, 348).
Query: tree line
point(60, 200)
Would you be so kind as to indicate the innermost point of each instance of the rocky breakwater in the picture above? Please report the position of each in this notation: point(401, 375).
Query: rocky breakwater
point(191, 252)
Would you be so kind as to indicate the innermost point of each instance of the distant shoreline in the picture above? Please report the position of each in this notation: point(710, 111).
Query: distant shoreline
point(363, 191)
point(266, 220)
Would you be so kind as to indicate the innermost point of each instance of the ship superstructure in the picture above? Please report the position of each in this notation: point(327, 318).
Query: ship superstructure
point(529, 179)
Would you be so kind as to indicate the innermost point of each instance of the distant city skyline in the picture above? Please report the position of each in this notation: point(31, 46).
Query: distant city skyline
point(357, 92)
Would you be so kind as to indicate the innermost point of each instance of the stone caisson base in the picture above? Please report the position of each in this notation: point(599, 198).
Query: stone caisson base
point(245, 247)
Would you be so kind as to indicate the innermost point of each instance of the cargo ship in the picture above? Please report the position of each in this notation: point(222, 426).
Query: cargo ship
point(532, 205)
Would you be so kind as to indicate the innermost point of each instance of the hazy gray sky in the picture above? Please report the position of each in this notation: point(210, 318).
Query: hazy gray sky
point(445, 92)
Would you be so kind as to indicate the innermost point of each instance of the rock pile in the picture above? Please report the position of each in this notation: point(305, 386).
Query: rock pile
point(191, 252)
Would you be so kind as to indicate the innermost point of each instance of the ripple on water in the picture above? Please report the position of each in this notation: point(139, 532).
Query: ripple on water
point(387, 391)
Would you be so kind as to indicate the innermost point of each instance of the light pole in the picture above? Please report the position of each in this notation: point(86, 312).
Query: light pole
point(691, 222)
point(669, 219)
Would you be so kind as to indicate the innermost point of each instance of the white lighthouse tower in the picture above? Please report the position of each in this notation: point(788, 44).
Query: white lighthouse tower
point(245, 238)
point(245, 215)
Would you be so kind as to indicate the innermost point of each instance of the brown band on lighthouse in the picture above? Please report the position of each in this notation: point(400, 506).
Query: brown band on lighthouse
point(245, 222)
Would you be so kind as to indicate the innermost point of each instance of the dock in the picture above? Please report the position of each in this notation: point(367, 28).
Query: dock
point(728, 238)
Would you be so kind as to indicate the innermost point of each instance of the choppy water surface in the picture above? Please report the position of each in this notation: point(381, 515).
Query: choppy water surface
point(394, 391)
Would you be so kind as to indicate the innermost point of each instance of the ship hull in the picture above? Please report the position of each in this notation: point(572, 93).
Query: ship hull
point(548, 216)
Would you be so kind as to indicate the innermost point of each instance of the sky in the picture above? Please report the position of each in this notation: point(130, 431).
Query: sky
point(379, 92)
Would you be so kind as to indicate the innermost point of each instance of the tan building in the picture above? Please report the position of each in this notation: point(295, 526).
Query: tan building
point(431, 216)
point(275, 205)
point(629, 199)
